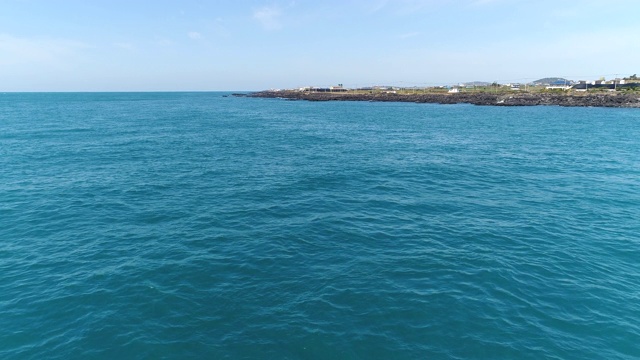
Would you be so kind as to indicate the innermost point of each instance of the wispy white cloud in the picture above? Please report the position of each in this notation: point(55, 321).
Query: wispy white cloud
point(484, 2)
point(268, 17)
point(403, 7)
point(408, 35)
point(17, 50)
point(194, 35)
point(124, 45)
point(164, 42)
point(219, 28)
point(376, 6)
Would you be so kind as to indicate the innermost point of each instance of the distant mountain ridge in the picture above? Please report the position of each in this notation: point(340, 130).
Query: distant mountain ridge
point(552, 81)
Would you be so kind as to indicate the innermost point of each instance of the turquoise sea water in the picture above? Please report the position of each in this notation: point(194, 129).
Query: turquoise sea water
point(192, 225)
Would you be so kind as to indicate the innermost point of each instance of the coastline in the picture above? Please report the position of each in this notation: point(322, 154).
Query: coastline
point(617, 100)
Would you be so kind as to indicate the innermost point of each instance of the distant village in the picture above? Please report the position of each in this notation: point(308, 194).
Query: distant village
point(630, 83)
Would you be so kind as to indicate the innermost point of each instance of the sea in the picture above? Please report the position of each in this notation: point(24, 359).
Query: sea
point(207, 226)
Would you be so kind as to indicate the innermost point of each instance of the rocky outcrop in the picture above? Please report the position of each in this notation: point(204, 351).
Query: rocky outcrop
point(630, 100)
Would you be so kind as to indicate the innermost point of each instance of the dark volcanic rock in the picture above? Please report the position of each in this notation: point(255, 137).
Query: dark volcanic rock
point(515, 99)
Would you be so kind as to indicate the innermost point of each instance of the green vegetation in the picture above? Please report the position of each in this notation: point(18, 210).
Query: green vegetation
point(630, 88)
point(536, 87)
point(552, 91)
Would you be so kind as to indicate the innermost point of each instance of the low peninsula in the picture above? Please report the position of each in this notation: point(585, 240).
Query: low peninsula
point(600, 99)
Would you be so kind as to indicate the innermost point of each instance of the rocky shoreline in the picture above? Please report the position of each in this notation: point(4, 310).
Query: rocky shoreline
point(619, 100)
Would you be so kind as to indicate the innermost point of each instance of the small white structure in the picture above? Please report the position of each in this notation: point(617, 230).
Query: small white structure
point(558, 87)
point(454, 90)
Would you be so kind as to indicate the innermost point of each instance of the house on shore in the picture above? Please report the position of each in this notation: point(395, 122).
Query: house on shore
point(559, 85)
point(611, 85)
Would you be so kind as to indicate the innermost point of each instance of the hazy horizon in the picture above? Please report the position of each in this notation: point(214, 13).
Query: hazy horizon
point(115, 46)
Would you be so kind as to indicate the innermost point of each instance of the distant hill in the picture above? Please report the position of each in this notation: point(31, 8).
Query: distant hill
point(552, 81)
point(476, 83)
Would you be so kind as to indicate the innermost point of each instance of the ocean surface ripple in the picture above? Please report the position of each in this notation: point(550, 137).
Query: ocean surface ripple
point(195, 225)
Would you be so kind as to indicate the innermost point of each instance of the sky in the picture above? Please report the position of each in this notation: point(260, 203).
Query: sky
point(189, 45)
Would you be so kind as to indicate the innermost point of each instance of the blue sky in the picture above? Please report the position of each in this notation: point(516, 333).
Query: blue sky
point(116, 45)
